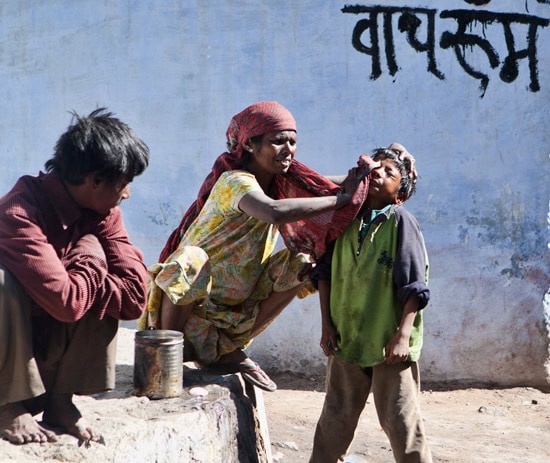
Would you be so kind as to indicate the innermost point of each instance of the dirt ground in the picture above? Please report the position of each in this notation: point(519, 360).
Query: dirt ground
point(464, 424)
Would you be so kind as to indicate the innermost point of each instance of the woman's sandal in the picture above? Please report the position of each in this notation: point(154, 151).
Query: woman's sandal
point(247, 370)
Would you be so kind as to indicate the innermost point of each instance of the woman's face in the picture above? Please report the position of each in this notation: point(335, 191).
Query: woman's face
point(276, 152)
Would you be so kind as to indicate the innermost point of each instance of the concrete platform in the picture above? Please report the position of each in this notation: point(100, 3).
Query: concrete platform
point(225, 423)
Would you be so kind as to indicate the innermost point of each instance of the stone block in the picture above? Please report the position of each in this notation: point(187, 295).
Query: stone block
point(217, 419)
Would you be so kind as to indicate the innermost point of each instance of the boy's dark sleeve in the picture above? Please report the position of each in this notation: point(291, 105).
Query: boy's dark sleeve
point(410, 266)
point(323, 270)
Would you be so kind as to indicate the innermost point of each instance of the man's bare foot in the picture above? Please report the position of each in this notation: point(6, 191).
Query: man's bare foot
point(61, 412)
point(19, 427)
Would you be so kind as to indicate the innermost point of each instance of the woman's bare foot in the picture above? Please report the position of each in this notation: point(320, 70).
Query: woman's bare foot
point(61, 412)
point(249, 369)
point(237, 356)
point(19, 427)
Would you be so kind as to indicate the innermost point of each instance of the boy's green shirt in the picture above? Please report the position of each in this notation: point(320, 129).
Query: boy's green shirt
point(371, 281)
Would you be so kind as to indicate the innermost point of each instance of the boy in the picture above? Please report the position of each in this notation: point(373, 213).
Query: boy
point(372, 287)
point(68, 273)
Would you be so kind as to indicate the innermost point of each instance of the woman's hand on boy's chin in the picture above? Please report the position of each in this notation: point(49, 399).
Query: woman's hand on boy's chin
point(357, 174)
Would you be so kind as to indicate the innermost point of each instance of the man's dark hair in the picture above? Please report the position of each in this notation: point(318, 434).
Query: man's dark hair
point(98, 143)
point(407, 187)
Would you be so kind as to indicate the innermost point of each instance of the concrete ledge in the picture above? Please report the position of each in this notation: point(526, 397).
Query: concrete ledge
point(227, 425)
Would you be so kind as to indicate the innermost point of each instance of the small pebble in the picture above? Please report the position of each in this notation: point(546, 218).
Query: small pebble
point(530, 402)
point(286, 445)
point(198, 391)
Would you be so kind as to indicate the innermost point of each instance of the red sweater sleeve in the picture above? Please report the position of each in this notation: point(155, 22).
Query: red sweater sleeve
point(123, 292)
point(110, 281)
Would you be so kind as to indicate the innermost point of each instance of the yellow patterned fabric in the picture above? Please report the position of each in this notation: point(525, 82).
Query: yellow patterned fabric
point(224, 265)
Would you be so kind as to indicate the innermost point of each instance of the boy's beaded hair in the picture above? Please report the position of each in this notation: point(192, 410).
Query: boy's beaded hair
point(407, 187)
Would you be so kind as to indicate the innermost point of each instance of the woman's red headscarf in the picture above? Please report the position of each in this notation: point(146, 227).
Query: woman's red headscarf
point(309, 236)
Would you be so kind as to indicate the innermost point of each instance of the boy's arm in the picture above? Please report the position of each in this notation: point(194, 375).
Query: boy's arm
point(321, 275)
point(410, 266)
point(410, 273)
point(329, 336)
point(397, 349)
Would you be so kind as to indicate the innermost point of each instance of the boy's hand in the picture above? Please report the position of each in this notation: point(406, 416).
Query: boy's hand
point(397, 349)
point(329, 340)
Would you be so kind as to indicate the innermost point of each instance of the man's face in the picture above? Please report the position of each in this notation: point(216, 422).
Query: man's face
point(105, 195)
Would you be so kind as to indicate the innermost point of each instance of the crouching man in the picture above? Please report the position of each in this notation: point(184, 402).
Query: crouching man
point(68, 274)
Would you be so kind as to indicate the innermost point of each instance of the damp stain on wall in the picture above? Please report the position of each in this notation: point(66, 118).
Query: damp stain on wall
point(164, 215)
point(505, 222)
point(509, 224)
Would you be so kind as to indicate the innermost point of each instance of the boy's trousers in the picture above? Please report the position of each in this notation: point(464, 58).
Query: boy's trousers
point(396, 390)
point(75, 357)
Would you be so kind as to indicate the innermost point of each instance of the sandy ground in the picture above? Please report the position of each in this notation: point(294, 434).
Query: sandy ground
point(464, 425)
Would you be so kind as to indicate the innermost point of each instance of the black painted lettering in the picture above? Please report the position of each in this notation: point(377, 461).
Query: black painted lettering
point(509, 71)
point(409, 22)
point(414, 21)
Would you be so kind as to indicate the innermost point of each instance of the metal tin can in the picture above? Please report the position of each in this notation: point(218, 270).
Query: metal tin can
point(158, 364)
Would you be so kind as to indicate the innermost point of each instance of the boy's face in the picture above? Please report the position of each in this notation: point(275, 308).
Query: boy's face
point(384, 184)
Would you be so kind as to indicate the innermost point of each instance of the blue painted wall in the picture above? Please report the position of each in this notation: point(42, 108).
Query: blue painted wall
point(177, 71)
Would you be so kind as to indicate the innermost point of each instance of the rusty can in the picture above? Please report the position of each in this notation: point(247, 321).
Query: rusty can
point(158, 364)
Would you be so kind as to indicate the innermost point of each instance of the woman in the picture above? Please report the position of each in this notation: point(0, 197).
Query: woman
point(218, 281)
